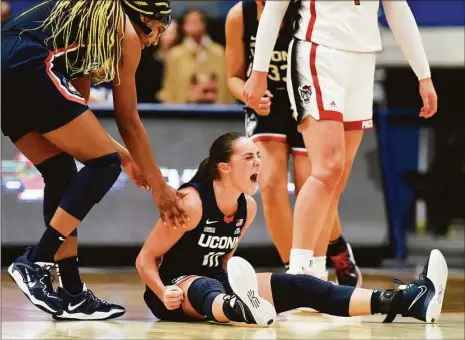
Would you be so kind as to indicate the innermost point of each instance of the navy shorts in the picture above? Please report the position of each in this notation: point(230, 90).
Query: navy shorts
point(161, 312)
point(279, 125)
point(36, 97)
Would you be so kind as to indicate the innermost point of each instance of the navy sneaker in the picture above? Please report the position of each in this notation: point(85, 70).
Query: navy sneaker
point(422, 299)
point(347, 271)
point(86, 306)
point(35, 281)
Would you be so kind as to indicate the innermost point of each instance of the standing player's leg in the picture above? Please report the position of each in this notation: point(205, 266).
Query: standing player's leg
point(273, 181)
point(311, 91)
point(269, 134)
point(357, 118)
point(345, 274)
point(340, 253)
point(302, 170)
point(302, 166)
point(58, 169)
point(85, 139)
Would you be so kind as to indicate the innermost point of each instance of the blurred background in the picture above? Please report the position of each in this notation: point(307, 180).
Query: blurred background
point(406, 193)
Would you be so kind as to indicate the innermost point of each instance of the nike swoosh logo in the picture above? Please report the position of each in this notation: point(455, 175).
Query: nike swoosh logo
point(71, 308)
point(423, 291)
point(211, 222)
point(61, 238)
point(253, 38)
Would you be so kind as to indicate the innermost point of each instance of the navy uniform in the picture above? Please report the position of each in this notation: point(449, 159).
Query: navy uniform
point(36, 91)
point(279, 124)
point(200, 251)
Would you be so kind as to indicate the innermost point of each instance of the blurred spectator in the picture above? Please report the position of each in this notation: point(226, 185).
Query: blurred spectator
point(203, 89)
point(149, 73)
point(197, 54)
point(6, 11)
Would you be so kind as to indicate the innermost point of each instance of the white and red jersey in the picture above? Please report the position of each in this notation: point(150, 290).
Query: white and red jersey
point(347, 25)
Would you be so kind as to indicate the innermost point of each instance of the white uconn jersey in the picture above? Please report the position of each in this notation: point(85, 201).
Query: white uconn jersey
point(347, 25)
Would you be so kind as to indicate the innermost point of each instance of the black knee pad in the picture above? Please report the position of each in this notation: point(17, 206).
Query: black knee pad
point(91, 184)
point(102, 173)
point(201, 294)
point(57, 169)
point(57, 172)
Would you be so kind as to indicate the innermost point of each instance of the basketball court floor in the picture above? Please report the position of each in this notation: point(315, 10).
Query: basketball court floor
point(21, 320)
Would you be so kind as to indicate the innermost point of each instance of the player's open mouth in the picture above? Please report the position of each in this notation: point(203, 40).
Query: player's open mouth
point(254, 178)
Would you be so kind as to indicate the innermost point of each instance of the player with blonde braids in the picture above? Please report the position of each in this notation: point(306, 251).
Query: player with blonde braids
point(48, 55)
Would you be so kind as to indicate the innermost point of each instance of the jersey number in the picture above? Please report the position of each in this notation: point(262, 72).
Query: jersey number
point(211, 259)
point(277, 73)
point(357, 2)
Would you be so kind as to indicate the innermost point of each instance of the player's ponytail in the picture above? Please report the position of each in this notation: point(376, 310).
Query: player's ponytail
point(203, 172)
point(220, 152)
point(98, 27)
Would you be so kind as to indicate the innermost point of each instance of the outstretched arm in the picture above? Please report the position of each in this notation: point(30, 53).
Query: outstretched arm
point(134, 134)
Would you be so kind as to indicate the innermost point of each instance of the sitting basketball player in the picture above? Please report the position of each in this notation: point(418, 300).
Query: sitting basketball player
point(190, 274)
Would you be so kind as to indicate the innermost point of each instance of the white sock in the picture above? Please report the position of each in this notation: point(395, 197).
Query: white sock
point(300, 258)
point(319, 266)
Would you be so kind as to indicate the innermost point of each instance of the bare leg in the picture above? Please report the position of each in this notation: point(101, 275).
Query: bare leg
point(302, 171)
point(38, 150)
point(325, 145)
point(336, 231)
point(273, 181)
point(352, 143)
point(84, 138)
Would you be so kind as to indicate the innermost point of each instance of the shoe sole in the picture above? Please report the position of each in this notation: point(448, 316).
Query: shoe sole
point(243, 281)
point(89, 317)
point(437, 272)
point(18, 279)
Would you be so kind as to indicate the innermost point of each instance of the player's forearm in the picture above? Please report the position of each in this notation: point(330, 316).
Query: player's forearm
point(122, 151)
point(236, 86)
point(136, 139)
point(148, 272)
point(267, 33)
point(405, 30)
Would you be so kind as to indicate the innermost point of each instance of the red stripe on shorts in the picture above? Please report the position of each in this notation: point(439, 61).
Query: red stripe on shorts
point(324, 114)
point(311, 22)
point(57, 82)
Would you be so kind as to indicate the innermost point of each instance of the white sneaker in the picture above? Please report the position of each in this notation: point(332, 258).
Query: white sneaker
point(243, 281)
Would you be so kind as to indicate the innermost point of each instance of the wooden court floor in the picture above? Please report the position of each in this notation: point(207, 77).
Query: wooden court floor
point(21, 320)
